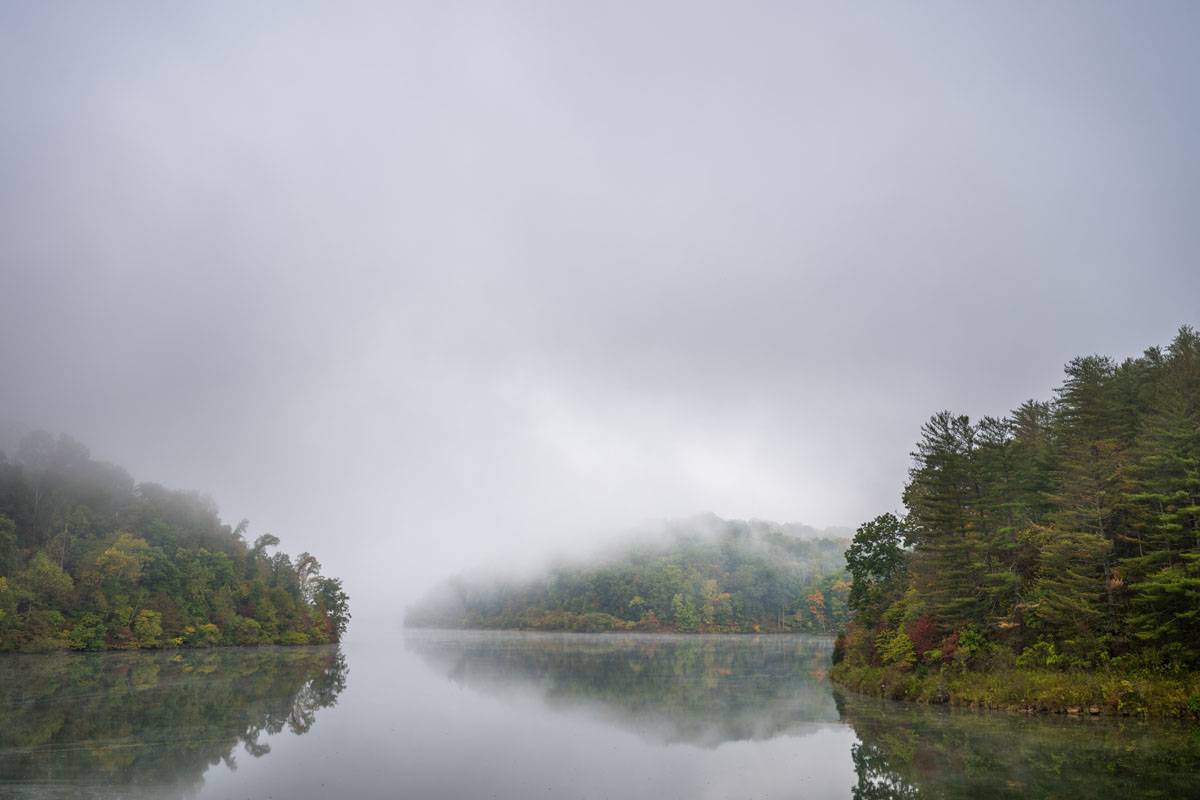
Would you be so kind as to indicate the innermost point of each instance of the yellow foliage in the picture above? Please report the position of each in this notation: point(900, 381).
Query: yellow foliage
point(124, 559)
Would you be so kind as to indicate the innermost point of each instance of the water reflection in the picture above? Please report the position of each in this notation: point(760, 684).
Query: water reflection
point(512, 716)
point(703, 690)
point(711, 690)
point(906, 751)
point(150, 724)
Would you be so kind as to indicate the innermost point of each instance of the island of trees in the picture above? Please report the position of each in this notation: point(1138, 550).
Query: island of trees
point(1048, 560)
point(89, 560)
point(700, 575)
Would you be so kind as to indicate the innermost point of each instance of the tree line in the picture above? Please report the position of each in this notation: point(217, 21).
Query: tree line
point(709, 575)
point(90, 560)
point(1064, 536)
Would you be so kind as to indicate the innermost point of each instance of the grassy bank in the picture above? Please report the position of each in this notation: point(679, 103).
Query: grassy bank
point(1034, 690)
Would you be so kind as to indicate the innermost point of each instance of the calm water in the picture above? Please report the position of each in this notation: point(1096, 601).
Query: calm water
point(461, 715)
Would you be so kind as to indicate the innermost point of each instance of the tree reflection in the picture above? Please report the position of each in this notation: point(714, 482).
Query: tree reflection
point(908, 750)
point(703, 690)
point(876, 778)
point(150, 724)
point(709, 690)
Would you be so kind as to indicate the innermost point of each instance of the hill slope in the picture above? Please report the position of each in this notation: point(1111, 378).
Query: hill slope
point(704, 574)
point(90, 560)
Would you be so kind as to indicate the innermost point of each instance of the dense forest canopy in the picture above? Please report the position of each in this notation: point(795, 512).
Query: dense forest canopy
point(90, 560)
point(1065, 535)
point(705, 574)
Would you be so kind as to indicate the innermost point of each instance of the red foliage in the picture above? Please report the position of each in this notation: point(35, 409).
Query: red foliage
point(949, 646)
point(648, 622)
point(924, 634)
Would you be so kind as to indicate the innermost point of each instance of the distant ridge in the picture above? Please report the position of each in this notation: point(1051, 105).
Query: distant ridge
point(702, 573)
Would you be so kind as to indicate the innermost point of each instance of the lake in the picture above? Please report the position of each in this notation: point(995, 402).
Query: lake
point(436, 714)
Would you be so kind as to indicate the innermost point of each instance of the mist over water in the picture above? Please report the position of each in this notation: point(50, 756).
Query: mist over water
point(514, 715)
point(472, 306)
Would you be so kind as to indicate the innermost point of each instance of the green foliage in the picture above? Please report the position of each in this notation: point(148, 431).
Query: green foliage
point(148, 628)
point(1066, 598)
point(710, 575)
point(47, 583)
point(123, 560)
point(334, 604)
point(8, 546)
point(876, 561)
point(971, 646)
point(1041, 654)
point(1166, 604)
point(204, 635)
point(895, 648)
point(247, 631)
point(686, 619)
point(89, 559)
point(1031, 688)
point(1068, 531)
point(88, 633)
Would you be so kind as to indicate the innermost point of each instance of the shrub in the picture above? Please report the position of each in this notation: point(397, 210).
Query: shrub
point(207, 635)
point(293, 638)
point(87, 634)
point(896, 649)
point(148, 627)
point(648, 622)
point(597, 621)
point(971, 646)
point(924, 634)
point(44, 644)
point(1042, 654)
point(247, 631)
point(858, 646)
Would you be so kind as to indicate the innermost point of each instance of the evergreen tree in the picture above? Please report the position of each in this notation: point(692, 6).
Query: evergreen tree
point(948, 565)
point(1072, 525)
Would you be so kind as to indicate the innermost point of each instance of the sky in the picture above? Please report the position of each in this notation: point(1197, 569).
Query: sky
point(429, 287)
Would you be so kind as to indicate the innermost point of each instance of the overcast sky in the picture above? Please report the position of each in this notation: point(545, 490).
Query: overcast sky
point(426, 287)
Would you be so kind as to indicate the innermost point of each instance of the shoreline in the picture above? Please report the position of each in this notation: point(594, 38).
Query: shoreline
point(1111, 694)
point(656, 631)
point(174, 649)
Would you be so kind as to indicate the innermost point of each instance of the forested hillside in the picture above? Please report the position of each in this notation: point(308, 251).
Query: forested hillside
point(1065, 536)
point(705, 574)
point(90, 560)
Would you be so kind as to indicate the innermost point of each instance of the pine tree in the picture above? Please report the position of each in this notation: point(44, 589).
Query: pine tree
point(1166, 609)
point(1068, 598)
point(948, 565)
point(1075, 521)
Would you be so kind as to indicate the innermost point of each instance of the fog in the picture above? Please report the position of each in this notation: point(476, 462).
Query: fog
point(426, 288)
